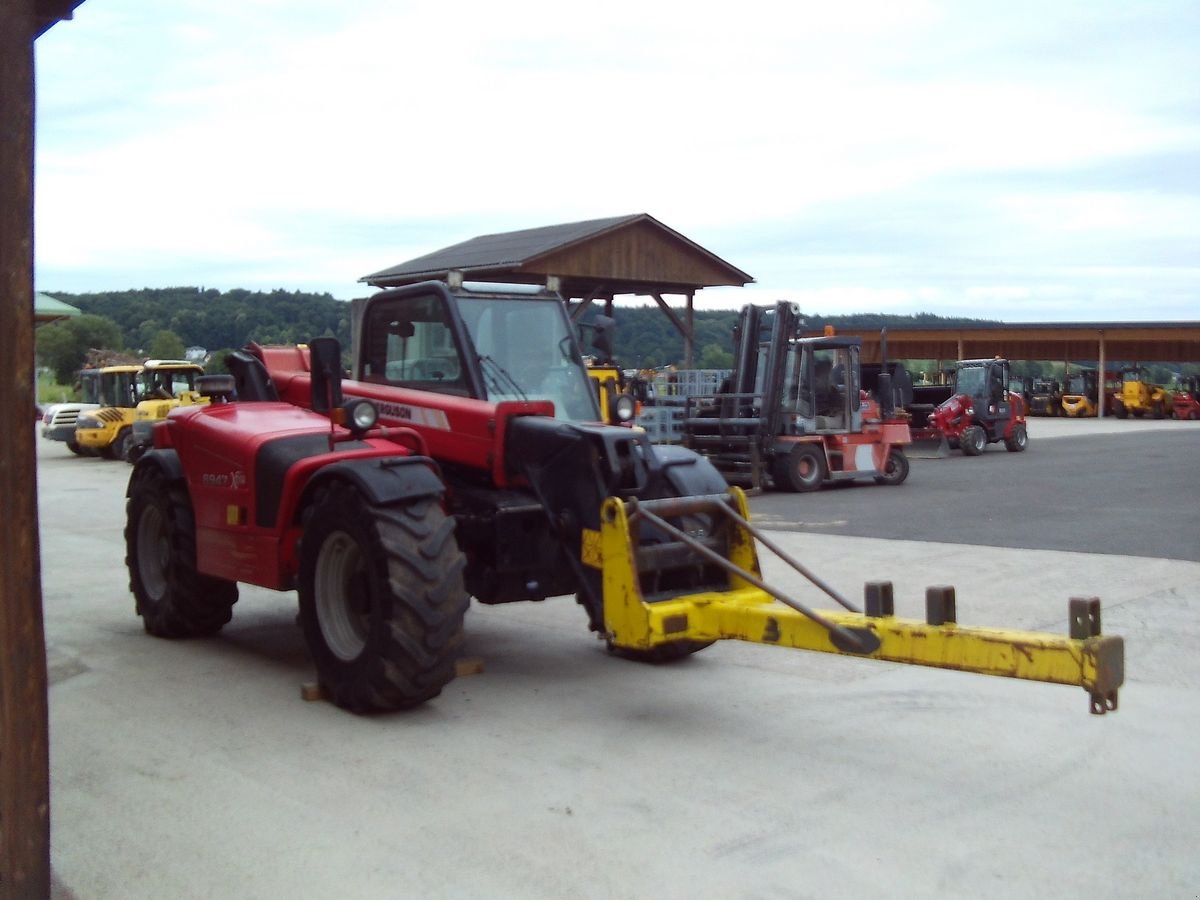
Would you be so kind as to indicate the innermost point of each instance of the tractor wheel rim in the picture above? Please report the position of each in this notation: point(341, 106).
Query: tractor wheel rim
point(339, 575)
point(153, 552)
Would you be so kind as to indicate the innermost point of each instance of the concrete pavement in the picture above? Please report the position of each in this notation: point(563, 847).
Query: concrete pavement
point(192, 769)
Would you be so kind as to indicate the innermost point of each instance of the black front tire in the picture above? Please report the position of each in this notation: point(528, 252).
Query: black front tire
point(173, 599)
point(801, 470)
point(381, 599)
point(120, 447)
point(895, 470)
point(973, 440)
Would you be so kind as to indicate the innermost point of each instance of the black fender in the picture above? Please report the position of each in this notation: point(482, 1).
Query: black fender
point(689, 473)
point(166, 461)
point(384, 481)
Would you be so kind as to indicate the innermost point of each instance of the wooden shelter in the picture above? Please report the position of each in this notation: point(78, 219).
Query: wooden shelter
point(1068, 342)
point(598, 259)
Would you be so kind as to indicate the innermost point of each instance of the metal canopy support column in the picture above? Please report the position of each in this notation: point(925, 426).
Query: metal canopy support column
point(689, 345)
point(24, 748)
point(1101, 381)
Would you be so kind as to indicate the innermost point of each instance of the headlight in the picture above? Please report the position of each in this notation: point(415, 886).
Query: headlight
point(361, 415)
point(623, 408)
point(88, 422)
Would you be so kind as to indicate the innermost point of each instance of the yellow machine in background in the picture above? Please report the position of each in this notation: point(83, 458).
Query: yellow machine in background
point(1140, 396)
point(616, 406)
point(168, 383)
point(106, 431)
point(155, 387)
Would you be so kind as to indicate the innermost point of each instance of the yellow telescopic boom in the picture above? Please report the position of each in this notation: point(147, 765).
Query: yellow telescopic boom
point(750, 610)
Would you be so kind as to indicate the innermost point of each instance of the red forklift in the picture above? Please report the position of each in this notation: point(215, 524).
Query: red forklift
point(794, 414)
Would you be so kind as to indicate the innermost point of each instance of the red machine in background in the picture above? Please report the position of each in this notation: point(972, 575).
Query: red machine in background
point(975, 410)
point(1186, 403)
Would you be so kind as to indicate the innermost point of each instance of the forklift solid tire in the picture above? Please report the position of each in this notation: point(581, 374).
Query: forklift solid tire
point(1019, 440)
point(801, 470)
point(173, 599)
point(381, 599)
point(973, 440)
point(76, 448)
point(895, 470)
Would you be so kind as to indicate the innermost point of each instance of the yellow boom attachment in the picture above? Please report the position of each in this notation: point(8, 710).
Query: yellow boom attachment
point(750, 610)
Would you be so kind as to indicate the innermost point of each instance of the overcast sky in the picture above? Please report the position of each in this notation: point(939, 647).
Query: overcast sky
point(1021, 161)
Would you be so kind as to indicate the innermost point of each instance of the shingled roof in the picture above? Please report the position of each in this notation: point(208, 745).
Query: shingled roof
point(632, 254)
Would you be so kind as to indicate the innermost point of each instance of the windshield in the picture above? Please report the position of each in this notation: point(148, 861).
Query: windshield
point(971, 380)
point(89, 387)
point(119, 389)
point(1077, 385)
point(526, 352)
point(165, 384)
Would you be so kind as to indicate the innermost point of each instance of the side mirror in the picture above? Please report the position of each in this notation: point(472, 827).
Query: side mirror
point(602, 336)
point(325, 361)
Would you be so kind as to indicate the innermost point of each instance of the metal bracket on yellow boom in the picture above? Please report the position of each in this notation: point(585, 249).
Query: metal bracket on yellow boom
point(751, 610)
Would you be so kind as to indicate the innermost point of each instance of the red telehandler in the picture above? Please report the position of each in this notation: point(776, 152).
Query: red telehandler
point(465, 459)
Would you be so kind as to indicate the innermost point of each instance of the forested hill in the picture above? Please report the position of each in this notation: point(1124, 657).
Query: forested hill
point(213, 319)
point(647, 339)
point(223, 319)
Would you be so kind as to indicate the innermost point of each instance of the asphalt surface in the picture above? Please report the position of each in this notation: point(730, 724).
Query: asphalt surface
point(1133, 491)
point(192, 769)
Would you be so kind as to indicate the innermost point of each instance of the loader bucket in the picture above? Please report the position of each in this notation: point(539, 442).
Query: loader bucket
point(928, 447)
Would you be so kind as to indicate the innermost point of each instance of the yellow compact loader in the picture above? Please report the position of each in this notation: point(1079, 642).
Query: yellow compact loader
point(158, 386)
point(1140, 396)
point(167, 383)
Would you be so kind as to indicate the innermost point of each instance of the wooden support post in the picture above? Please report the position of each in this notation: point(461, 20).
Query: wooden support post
point(24, 751)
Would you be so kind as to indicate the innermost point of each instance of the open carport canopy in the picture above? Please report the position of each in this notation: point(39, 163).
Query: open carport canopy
point(585, 261)
point(1103, 341)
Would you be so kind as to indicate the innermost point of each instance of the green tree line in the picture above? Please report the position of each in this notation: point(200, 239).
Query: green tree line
point(646, 338)
point(162, 322)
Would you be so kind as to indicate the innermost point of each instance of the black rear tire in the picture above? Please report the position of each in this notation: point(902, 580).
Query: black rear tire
point(173, 599)
point(895, 470)
point(76, 448)
point(973, 440)
point(381, 599)
point(1019, 440)
point(801, 470)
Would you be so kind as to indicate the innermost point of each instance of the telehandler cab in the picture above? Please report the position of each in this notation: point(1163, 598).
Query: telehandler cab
point(449, 468)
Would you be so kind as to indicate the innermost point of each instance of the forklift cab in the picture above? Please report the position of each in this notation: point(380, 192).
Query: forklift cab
point(821, 387)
